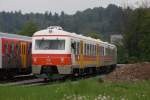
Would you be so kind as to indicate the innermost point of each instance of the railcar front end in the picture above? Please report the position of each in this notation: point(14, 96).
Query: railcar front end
point(51, 55)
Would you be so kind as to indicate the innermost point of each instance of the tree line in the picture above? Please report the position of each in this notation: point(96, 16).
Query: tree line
point(97, 20)
point(133, 24)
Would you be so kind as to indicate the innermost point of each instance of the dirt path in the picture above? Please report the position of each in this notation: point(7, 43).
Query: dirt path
point(130, 72)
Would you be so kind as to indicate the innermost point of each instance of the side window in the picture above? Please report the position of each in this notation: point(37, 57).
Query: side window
point(87, 49)
point(81, 43)
point(102, 51)
point(73, 47)
point(12, 47)
point(106, 51)
point(94, 50)
point(84, 48)
point(18, 49)
point(6, 46)
point(91, 50)
point(24, 50)
point(29, 48)
point(78, 48)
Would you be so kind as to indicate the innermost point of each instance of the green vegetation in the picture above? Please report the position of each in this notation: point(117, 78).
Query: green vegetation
point(96, 20)
point(137, 35)
point(90, 89)
point(29, 28)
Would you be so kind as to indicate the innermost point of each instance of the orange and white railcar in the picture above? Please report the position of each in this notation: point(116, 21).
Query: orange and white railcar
point(55, 51)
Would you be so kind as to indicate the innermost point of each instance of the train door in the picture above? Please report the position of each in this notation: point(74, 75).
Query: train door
point(23, 54)
point(81, 55)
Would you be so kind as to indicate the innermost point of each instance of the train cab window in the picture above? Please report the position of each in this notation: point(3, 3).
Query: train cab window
point(50, 44)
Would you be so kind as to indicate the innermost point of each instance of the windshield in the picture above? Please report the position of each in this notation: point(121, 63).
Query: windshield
point(50, 44)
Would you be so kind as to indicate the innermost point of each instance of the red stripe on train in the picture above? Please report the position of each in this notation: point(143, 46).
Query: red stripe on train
point(51, 59)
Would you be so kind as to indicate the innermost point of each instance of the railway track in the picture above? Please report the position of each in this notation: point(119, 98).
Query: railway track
point(38, 81)
point(30, 80)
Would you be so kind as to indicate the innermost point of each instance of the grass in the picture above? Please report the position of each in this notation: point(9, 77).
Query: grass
point(89, 89)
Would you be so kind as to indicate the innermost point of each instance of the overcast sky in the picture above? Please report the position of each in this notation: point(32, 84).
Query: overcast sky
point(68, 6)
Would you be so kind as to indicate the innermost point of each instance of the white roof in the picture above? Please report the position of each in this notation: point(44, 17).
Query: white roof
point(15, 36)
point(54, 30)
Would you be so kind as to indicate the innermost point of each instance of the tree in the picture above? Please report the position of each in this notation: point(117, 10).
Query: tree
point(94, 35)
point(137, 35)
point(28, 29)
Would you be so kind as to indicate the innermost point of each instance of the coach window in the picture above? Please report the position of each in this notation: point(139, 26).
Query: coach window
point(29, 48)
point(103, 48)
point(87, 49)
point(89, 53)
point(23, 49)
point(12, 49)
point(105, 51)
point(84, 50)
point(100, 51)
point(75, 50)
point(73, 47)
point(94, 50)
point(18, 49)
point(6, 46)
point(78, 48)
point(90, 49)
